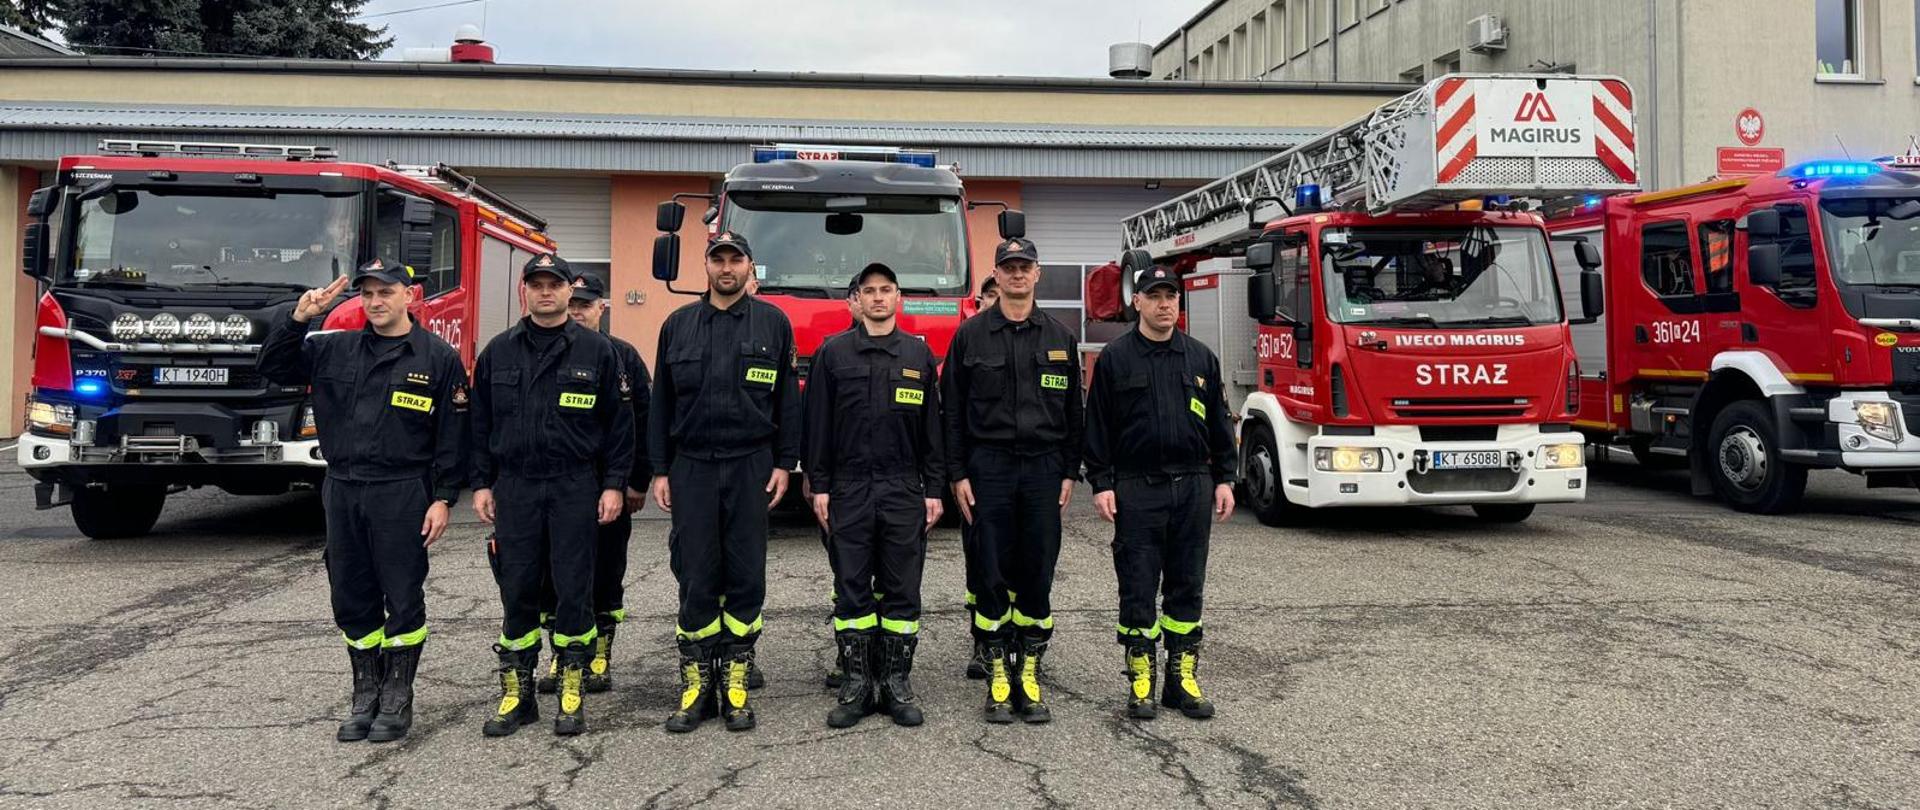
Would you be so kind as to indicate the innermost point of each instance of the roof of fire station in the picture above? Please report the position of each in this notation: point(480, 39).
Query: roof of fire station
point(535, 117)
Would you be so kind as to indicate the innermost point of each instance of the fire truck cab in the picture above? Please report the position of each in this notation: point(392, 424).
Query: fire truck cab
point(162, 265)
point(1760, 327)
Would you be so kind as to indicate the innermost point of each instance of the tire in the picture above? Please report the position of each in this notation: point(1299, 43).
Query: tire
point(1643, 452)
point(1744, 463)
point(116, 512)
point(1503, 512)
point(1262, 484)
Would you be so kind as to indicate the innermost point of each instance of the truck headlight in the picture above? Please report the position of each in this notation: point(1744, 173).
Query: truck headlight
point(1880, 419)
point(126, 328)
point(200, 327)
point(165, 326)
point(1348, 459)
point(50, 417)
point(1562, 456)
point(308, 428)
point(236, 328)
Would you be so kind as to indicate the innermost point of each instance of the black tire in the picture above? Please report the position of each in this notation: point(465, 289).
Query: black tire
point(1263, 483)
point(1643, 452)
point(1743, 462)
point(115, 512)
point(1503, 512)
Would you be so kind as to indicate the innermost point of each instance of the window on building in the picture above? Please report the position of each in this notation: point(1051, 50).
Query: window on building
point(1208, 70)
point(1259, 53)
point(1797, 287)
point(1414, 75)
point(1379, 5)
point(1277, 34)
point(1449, 63)
point(1320, 19)
point(1716, 254)
point(1666, 259)
point(1349, 13)
point(1241, 67)
point(1299, 16)
point(1836, 37)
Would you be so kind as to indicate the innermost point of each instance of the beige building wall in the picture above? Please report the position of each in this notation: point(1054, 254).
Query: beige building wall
point(17, 300)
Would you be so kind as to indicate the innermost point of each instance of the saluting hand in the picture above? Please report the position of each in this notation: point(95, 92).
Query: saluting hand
point(610, 502)
point(314, 302)
point(435, 524)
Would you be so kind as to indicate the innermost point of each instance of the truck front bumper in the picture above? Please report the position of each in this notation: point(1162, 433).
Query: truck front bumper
point(1410, 480)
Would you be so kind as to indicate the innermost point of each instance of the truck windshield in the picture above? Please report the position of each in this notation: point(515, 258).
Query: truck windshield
point(146, 237)
point(816, 242)
point(1873, 240)
point(1468, 276)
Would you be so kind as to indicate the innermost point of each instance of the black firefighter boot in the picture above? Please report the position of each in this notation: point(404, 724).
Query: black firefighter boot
point(396, 694)
point(857, 689)
point(696, 689)
point(1182, 690)
point(977, 665)
point(896, 688)
point(1026, 692)
point(572, 718)
point(599, 676)
point(517, 707)
point(368, 669)
point(549, 679)
point(1140, 676)
point(735, 683)
point(999, 685)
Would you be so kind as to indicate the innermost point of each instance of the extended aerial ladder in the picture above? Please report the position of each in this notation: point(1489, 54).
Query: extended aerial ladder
point(1555, 139)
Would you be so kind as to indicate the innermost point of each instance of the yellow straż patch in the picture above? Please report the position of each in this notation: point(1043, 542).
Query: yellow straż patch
point(764, 376)
point(1056, 382)
point(412, 402)
point(572, 400)
point(1199, 408)
point(909, 396)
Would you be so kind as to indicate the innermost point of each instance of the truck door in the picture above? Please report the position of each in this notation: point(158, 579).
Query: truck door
point(1287, 342)
point(1667, 313)
point(442, 305)
point(1784, 319)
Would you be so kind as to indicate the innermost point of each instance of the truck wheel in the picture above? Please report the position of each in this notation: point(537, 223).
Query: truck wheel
point(1745, 465)
point(1263, 482)
point(1643, 453)
point(121, 511)
point(1503, 512)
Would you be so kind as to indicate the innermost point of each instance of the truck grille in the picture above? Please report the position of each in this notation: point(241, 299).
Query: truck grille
point(1460, 407)
point(1434, 482)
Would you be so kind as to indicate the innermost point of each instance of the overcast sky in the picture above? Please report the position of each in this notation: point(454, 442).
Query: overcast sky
point(951, 37)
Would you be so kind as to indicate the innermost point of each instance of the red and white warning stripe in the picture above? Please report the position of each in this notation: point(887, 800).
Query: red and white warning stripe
point(1457, 139)
point(1613, 135)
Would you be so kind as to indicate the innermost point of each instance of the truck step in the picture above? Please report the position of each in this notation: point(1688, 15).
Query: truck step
point(1807, 414)
point(1671, 410)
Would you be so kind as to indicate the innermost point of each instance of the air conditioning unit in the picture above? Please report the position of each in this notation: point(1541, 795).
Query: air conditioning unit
point(1486, 34)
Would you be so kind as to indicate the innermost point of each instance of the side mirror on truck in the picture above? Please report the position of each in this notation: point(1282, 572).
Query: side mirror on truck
point(1586, 255)
point(667, 217)
point(1763, 264)
point(1593, 296)
point(666, 254)
point(33, 251)
point(1262, 296)
point(1762, 224)
point(1012, 224)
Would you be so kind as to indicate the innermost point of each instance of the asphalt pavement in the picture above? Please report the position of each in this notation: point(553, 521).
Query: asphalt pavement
point(1643, 649)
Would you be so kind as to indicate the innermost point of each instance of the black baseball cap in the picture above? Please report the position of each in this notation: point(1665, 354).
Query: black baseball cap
point(729, 239)
point(1015, 248)
point(1156, 276)
point(389, 272)
point(877, 267)
point(588, 288)
point(550, 264)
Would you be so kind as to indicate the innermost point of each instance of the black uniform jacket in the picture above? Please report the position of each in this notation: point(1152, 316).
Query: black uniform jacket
point(724, 385)
point(1157, 410)
point(548, 419)
point(873, 411)
point(635, 383)
point(1015, 386)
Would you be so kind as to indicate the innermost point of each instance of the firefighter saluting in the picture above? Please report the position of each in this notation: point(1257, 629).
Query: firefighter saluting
point(1161, 459)
point(390, 403)
point(1012, 388)
point(874, 465)
point(723, 430)
point(553, 446)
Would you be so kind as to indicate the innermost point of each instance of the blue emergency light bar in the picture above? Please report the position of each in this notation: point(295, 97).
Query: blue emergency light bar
point(874, 154)
point(90, 386)
point(1306, 198)
point(1835, 168)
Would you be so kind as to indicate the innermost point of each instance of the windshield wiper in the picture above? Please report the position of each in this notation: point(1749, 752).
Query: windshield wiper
point(277, 285)
point(801, 292)
point(1494, 320)
point(123, 284)
point(1408, 320)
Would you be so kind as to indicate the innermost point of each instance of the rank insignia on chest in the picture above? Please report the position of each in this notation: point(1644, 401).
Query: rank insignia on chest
point(418, 378)
point(626, 385)
point(1057, 355)
point(459, 396)
point(1200, 382)
point(910, 373)
point(580, 374)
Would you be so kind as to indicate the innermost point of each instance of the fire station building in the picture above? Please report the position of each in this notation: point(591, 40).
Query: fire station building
point(593, 150)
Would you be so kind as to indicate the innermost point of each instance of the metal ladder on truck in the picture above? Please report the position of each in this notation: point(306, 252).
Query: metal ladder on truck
point(1555, 139)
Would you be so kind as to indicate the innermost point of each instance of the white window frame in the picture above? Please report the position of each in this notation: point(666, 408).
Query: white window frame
point(1850, 9)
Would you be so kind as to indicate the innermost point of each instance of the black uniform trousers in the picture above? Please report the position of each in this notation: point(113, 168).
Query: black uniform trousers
point(877, 550)
point(1160, 547)
point(376, 567)
point(718, 548)
point(609, 575)
point(545, 531)
point(1016, 540)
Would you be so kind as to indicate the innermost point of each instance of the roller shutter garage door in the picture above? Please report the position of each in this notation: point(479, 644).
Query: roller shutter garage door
point(578, 211)
point(1076, 227)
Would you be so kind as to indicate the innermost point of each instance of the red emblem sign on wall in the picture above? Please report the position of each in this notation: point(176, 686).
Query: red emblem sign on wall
point(1749, 126)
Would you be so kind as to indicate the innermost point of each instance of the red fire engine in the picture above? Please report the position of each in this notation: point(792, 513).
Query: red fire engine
point(1760, 327)
point(162, 266)
point(1397, 349)
point(815, 215)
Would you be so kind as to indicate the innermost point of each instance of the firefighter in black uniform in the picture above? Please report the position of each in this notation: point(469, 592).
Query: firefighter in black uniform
point(1161, 459)
point(553, 446)
point(390, 402)
point(587, 304)
point(723, 430)
point(1012, 388)
point(874, 464)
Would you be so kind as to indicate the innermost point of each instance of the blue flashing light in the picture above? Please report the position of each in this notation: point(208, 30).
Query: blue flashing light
point(90, 386)
point(1591, 202)
point(1307, 197)
point(871, 154)
point(1838, 168)
point(1497, 201)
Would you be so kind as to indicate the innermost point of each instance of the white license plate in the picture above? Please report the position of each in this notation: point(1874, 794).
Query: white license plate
point(1468, 459)
point(172, 375)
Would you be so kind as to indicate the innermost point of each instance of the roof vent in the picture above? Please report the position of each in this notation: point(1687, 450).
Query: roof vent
point(1130, 60)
